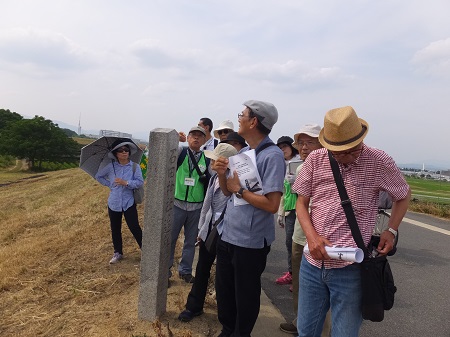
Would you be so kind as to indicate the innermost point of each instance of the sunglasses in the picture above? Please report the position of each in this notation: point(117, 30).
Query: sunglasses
point(122, 150)
point(224, 131)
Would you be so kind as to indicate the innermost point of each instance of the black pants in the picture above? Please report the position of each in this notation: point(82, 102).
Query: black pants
point(238, 286)
point(196, 297)
point(131, 217)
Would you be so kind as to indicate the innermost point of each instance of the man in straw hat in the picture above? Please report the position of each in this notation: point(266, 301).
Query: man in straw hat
point(248, 229)
point(365, 171)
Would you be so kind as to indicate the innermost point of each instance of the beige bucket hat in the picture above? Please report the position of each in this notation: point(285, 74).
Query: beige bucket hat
point(342, 129)
point(221, 150)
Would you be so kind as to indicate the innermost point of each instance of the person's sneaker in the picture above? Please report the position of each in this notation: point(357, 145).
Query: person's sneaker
point(289, 328)
point(285, 279)
point(188, 315)
point(188, 278)
point(116, 258)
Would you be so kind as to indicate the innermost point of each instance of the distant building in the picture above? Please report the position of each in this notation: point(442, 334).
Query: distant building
point(111, 133)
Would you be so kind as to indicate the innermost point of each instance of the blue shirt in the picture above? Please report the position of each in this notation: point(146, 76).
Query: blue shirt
point(120, 197)
point(247, 226)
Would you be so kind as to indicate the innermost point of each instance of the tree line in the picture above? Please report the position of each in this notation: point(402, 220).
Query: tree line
point(37, 139)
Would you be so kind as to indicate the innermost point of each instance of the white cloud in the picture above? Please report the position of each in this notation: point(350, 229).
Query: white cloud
point(159, 89)
point(41, 53)
point(293, 73)
point(152, 54)
point(434, 59)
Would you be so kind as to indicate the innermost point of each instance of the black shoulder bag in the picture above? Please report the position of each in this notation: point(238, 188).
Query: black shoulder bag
point(377, 281)
point(211, 239)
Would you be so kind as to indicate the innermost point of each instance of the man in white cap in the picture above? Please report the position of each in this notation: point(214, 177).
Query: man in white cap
point(305, 141)
point(190, 185)
point(248, 229)
point(336, 284)
point(225, 128)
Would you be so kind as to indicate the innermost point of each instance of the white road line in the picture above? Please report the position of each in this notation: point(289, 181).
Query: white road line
point(424, 225)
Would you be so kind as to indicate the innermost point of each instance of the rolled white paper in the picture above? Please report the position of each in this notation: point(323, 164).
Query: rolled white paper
point(342, 253)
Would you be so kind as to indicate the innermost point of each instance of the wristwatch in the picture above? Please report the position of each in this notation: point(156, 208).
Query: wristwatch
point(393, 231)
point(239, 193)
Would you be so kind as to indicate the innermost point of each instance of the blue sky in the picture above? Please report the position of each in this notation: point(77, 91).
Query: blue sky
point(133, 66)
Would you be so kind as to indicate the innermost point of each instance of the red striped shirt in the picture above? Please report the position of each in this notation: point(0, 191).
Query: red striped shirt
point(373, 171)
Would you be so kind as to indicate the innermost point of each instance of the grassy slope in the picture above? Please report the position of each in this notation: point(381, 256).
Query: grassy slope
point(55, 279)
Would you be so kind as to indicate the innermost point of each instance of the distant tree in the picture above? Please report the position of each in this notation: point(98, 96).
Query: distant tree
point(7, 116)
point(69, 133)
point(38, 139)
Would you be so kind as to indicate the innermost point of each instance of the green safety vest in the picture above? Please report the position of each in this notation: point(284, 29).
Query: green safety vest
point(290, 198)
point(187, 193)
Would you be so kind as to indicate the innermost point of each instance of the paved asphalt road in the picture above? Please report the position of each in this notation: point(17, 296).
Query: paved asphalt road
point(421, 270)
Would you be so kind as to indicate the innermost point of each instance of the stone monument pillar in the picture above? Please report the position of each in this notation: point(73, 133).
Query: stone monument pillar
point(158, 217)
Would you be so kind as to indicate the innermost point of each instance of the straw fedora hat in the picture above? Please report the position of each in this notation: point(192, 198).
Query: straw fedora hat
point(342, 129)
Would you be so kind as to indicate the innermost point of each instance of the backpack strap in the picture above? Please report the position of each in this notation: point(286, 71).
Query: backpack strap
point(265, 146)
point(216, 142)
point(181, 157)
point(195, 164)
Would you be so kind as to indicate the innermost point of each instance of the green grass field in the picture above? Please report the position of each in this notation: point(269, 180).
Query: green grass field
point(83, 141)
point(430, 190)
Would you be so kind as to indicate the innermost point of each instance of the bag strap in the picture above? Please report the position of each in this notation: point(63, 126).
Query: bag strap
point(347, 204)
point(194, 162)
point(265, 146)
point(134, 168)
point(220, 217)
point(181, 156)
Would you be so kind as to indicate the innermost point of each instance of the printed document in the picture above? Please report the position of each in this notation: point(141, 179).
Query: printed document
point(245, 166)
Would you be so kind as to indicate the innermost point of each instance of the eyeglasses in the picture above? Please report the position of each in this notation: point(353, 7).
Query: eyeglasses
point(344, 153)
point(122, 150)
point(224, 131)
point(308, 143)
point(240, 115)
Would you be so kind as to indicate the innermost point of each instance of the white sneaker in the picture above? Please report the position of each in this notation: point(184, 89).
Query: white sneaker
point(116, 258)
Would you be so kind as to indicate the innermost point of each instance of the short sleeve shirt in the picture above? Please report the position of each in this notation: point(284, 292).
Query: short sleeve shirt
point(250, 227)
point(373, 171)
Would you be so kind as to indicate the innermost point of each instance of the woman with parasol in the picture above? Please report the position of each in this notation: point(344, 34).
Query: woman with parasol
point(122, 176)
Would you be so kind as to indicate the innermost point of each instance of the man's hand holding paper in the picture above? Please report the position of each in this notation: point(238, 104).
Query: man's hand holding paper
point(342, 253)
point(244, 165)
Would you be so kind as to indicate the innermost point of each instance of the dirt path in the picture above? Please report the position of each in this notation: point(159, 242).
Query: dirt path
point(21, 165)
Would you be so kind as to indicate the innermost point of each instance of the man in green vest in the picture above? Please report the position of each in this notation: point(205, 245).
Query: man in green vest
point(191, 178)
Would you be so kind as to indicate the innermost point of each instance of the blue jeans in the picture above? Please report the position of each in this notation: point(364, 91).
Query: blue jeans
point(321, 288)
point(188, 220)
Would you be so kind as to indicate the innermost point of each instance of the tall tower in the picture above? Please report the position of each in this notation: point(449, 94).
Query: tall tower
point(79, 125)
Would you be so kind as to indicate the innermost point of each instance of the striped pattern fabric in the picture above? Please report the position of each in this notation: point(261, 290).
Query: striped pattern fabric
point(373, 171)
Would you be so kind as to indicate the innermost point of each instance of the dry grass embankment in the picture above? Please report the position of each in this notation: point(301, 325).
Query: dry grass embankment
point(55, 279)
